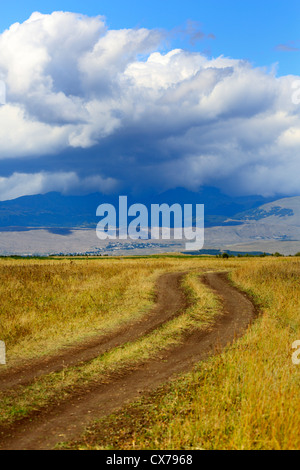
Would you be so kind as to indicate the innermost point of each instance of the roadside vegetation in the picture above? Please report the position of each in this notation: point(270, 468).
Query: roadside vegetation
point(53, 387)
point(248, 397)
point(49, 304)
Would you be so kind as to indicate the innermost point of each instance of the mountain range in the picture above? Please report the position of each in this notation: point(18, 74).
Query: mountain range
point(55, 223)
point(61, 211)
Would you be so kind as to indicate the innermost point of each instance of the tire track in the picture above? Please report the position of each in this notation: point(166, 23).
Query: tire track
point(170, 302)
point(67, 420)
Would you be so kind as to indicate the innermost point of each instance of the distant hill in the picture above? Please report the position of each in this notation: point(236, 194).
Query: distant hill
point(280, 212)
point(60, 211)
point(270, 227)
point(66, 224)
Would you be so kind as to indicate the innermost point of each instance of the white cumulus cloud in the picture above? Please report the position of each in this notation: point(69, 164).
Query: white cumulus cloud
point(136, 116)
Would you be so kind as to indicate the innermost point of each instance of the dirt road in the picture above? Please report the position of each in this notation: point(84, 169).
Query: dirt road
point(44, 429)
point(170, 302)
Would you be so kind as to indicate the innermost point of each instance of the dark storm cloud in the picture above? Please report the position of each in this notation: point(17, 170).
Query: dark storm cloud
point(92, 109)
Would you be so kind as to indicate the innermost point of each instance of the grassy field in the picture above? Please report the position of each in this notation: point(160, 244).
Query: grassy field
point(54, 386)
point(49, 304)
point(246, 398)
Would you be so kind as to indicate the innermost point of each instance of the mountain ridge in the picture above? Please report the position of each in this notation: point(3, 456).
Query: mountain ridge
point(79, 211)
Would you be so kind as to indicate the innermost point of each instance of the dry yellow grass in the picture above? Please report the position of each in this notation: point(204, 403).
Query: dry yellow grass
point(246, 398)
point(49, 304)
point(20, 402)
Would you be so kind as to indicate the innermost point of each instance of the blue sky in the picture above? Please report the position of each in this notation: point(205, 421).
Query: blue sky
point(156, 95)
point(244, 29)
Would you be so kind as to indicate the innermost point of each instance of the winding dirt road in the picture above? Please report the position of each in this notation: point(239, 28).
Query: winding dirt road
point(67, 420)
point(170, 302)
